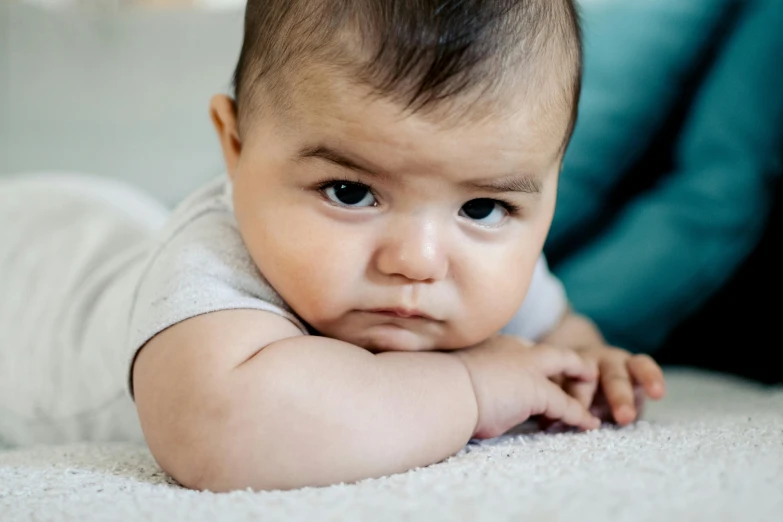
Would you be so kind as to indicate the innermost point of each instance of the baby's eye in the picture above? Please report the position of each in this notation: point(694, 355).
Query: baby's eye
point(484, 211)
point(349, 194)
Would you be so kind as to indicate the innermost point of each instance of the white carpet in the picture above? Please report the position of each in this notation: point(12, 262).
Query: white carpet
point(712, 451)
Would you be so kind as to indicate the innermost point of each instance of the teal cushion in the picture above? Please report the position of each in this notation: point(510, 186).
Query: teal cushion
point(637, 56)
point(675, 244)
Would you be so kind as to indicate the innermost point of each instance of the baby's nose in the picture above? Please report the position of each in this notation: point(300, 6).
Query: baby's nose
point(414, 248)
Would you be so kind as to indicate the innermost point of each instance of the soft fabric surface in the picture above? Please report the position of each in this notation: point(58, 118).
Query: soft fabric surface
point(712, 451)
point(639, 263)
point(638, 56)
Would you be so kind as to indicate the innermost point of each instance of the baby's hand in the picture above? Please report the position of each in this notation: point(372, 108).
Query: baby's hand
point(625, 381)
point(511, 381)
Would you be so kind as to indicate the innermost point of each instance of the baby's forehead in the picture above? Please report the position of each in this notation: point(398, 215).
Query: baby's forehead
point(349, 126)
point(320, 86)
point(332, 101)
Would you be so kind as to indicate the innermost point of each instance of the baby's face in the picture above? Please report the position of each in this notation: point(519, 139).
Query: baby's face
point(393, 232)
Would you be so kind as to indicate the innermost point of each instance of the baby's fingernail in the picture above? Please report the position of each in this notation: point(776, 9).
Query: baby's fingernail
point(625, 415)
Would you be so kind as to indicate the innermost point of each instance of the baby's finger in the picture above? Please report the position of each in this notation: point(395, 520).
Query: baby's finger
point(557, 405)
point(582, 391)
point(617, 387)
point(648, 374)
point(639, 397)
point(556, 360)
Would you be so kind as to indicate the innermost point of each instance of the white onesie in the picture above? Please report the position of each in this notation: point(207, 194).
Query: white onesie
point(91, 269)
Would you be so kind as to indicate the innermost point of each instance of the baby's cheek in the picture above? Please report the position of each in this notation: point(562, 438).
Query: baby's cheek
point(318, 276)
point(501, 291)
point(305, 271)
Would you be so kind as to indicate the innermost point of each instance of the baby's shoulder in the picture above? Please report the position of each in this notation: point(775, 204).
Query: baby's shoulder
point(200, 265)
point(208, 207)
point(201, 240)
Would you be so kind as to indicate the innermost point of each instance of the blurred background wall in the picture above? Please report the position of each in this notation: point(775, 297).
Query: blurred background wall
point(122, 92)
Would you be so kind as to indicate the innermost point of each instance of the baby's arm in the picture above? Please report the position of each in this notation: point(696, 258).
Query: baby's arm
point(219, 413)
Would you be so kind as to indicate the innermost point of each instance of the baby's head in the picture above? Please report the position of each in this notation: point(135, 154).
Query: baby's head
point(394, 158)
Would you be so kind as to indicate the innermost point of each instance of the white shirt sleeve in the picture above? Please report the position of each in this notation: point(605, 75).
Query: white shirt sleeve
point(543, 307)
point(200, 266)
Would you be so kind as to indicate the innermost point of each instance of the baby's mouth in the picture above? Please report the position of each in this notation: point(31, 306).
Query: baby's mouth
point(401, 313)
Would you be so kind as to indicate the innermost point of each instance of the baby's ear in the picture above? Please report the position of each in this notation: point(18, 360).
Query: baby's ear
point(222, 110)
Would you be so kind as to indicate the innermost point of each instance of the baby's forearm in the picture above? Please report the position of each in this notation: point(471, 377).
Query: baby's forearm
point(311, 411)
point(573, 331)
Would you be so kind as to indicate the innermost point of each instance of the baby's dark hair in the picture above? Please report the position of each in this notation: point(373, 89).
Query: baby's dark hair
point(417, 52)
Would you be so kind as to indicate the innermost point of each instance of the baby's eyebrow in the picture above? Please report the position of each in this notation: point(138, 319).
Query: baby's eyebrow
point(524, 183)
point(340, 158)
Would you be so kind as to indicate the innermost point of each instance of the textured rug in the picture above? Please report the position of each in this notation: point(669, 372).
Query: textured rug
point(711, 451)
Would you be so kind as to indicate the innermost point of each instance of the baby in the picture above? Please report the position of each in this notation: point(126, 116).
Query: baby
point(365, 291)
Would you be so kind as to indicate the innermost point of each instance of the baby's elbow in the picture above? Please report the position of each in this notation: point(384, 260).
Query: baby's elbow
point(253, 426)
point(215, 471)
point(223, 440)
point(182, 441)
point(204, 428)
point(214, 447)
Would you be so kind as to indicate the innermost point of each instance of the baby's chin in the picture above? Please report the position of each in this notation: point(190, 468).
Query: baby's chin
point(377, 333)
point(389, 338)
